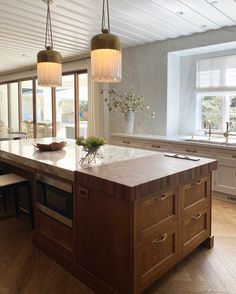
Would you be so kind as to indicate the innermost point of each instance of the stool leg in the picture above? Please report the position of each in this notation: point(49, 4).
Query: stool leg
point(4, 200)
point(16, 202)
point(30, 202)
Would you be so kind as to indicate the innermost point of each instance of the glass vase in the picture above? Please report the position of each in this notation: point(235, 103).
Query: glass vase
point(91, 157)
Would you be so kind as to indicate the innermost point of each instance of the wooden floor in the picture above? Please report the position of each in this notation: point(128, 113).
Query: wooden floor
point(24, 269)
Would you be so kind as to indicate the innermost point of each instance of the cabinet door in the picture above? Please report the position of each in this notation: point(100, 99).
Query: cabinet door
point(156, 145)
point(225, 177)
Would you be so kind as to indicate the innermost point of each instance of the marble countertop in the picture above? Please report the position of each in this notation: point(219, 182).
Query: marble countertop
point(11, 136)
point(62, 162)
point(122, 165)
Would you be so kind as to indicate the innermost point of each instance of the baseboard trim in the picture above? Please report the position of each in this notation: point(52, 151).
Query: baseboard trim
point(224, 197)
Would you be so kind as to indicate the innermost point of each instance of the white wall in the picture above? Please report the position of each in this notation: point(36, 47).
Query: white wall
point(145, 70)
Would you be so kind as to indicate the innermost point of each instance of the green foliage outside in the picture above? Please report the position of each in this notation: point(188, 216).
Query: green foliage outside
point(83, 109)
point(212, 109)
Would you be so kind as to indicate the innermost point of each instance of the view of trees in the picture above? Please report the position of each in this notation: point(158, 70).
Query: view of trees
point(212, 110)
point(215, 109)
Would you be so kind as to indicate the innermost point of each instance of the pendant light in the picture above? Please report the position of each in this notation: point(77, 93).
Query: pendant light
point(49, 62)
point(106, 53)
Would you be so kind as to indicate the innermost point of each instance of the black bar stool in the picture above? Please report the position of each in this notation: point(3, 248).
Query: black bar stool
point(11, 182)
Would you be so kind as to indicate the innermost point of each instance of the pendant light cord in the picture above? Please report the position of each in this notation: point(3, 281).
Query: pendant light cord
point(104, 29)
point(48, 35)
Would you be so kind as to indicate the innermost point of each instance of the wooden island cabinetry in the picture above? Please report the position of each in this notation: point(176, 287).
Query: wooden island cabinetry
point(121, 225)
point(135, 236)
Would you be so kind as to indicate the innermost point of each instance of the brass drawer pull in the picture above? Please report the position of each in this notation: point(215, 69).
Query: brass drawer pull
point(196, 183)
point(197, 216)
point(158, 241)
point(159, 198)
point(156, 146)
point(126, 142)
point(190, 150)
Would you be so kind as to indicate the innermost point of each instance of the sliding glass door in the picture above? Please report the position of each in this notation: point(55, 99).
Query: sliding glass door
point(46, 112)
point(43, 111)
point(13, 107)
point(65, 108)
point(3, 109)
point(26, 96)
point(83, 104)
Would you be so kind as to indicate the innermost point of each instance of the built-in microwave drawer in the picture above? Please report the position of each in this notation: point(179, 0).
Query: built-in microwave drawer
point(55, 199)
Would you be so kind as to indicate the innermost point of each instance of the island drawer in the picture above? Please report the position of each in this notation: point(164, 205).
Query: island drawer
point(194, 230)
point(157, 209)
point(195, 193)
point(55, 231)
point(155, 256)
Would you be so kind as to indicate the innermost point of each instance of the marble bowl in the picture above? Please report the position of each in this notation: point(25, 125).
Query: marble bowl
point(50, 147)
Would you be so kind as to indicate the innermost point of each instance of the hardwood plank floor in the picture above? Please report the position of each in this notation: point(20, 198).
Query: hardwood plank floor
point(26, 270)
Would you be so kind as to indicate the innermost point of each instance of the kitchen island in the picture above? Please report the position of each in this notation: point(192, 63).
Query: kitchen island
point(120, 225)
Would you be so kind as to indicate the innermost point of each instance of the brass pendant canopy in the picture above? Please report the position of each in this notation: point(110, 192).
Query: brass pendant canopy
point(49, 61)
point(106, 53)
point(105, 40)
point(49, 55)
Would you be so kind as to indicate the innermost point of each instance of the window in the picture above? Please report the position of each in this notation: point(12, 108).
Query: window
point(44, 112)
point(216, 92)
point(3, 108)
point(83, 104)
point(13, 107)
point(27, 108)
point(65, 108)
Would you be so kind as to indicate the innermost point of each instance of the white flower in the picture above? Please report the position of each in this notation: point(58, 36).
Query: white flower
point(123, 102)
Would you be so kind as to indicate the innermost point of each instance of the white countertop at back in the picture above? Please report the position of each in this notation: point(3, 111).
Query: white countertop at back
point(185, 140)
point(62, 162)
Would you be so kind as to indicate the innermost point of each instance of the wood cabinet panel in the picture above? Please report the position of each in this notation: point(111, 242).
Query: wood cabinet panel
point(57, 232)
point(104, 235)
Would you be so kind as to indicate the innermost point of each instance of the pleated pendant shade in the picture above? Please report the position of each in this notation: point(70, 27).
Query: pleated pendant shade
point(49, 61)
point(106, 56)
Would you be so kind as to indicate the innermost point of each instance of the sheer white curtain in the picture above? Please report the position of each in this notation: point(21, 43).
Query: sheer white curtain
point(217, 73)
point(98, 123)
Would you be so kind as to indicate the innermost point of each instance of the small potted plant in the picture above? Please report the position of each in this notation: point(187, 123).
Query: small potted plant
point(91, 146)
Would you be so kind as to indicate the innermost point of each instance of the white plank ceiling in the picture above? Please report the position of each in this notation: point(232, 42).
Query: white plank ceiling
point(74, 22)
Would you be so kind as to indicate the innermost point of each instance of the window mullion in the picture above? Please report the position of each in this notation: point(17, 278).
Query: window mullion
point(225, 111)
